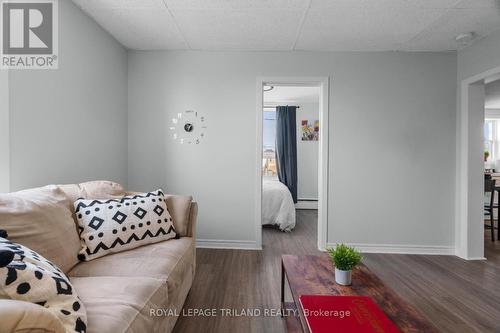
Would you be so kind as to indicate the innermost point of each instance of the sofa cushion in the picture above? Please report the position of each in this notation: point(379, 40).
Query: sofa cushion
point(27, 276)
point(98, 189)
point(159, 260)
point(23, 317)
point(121, 304)
point(172, 262)
point(115, 225)
point(41, 220)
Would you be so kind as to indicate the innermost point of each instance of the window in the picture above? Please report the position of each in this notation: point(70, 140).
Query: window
point(492, 142)
point(269, 140)
point(269, 144)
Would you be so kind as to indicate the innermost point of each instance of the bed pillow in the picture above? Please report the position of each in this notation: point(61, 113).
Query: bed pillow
point(115, 225)
point(27, 276)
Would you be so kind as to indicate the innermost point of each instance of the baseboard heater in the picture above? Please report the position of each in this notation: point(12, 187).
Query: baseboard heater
point(307, 204)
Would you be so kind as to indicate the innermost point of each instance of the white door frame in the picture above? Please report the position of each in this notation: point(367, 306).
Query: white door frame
point(323, 83)
point(469, 222)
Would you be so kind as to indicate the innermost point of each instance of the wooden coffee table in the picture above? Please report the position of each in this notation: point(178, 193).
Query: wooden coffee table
point(314, 275)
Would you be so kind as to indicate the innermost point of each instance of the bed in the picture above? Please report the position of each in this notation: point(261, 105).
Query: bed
point(277, 205)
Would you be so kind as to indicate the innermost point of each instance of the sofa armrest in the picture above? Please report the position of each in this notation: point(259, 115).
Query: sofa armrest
point(193, 217)
point(180, 208)
point(20, 316)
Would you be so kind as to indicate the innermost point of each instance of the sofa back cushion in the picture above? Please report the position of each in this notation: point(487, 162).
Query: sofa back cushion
point(98, 189)
point(40, 219)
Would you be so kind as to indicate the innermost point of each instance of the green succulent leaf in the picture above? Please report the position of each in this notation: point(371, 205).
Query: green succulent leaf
point(344, 257)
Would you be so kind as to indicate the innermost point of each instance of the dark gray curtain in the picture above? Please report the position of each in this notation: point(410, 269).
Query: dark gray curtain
point(286, 147)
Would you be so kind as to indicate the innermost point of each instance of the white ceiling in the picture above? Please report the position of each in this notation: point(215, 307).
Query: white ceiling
point(284, 25)
point(291, 95)
point(492, 100)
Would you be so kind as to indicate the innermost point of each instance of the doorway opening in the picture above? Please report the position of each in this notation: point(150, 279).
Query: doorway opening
point(292, 157)
point(478, 158)
point(492, 165)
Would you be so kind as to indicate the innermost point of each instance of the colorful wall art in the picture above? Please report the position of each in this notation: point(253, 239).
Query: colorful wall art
point(308, 131)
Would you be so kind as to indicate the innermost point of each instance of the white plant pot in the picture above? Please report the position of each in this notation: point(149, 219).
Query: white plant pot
point(343, 277)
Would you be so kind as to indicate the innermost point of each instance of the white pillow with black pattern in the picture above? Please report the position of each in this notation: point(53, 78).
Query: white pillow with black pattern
point(27, 276)
point(115, 225)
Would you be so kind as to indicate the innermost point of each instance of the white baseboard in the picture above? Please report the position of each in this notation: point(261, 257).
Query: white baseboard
point(472, 258)
point(364, 248)
point(306, 204)
point(402, 249)
point(227, 244)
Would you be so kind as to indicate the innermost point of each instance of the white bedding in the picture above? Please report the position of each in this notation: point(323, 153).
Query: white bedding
point(277, 205)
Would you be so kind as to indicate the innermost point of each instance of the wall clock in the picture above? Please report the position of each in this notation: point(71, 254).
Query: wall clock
point(188, 127)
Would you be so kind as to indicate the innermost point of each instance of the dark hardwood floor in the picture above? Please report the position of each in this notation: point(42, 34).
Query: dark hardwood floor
point(455, 295)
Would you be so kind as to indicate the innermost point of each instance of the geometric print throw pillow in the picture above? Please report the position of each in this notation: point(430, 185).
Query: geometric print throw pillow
point(115, 225)
point(27, 276)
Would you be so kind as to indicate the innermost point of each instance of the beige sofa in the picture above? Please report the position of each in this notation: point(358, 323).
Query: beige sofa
point(120, 290)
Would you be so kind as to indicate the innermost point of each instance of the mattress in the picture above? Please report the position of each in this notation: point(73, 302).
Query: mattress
point(277, 205)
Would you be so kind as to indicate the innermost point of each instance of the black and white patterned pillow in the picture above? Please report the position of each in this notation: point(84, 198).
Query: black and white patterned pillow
point(27, 276)
point(115, 225)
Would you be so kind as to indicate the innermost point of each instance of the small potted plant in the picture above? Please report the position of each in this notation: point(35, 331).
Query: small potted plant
point(486, 155)
point(344, 258)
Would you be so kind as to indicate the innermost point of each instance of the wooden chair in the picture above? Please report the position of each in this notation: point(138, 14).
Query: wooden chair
point(489, 187)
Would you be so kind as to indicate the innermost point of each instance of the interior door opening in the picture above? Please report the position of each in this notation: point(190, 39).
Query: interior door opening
point(491, 156)
point(292, 178)
point(477, 161)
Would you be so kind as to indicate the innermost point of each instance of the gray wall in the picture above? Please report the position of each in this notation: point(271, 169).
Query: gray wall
point(307, 154)
point(392, 125)
point(4, 132)
point(70, 125)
